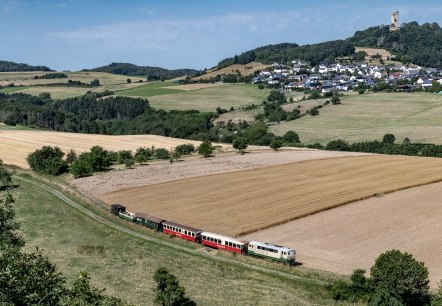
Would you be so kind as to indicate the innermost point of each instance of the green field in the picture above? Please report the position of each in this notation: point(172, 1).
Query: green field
point(26, 83)
point(126, 264)
point(417, 116)
point(149, 90)
point(208, 99)
point(13, 89)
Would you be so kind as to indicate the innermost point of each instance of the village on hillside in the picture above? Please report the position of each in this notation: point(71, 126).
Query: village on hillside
point(328, 77)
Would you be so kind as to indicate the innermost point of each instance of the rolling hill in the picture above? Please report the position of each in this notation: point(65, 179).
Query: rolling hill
point(413, 43)
point(152, 73)
point(6, 66)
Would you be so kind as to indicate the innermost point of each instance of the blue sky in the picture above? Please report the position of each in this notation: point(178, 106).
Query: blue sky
point(77, 34)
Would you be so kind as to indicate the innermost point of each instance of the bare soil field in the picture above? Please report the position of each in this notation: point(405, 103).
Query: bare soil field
point(247, 201)
point(354, 235)
point(195, 166)
point(15, 145)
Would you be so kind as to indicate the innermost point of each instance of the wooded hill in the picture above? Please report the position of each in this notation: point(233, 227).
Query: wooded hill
point(152, 73)
point(413, 43)
point(6, 66)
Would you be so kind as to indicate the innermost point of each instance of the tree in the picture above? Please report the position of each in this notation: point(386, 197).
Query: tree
point(129, 163)
point(95, 82)
point(384, 298)
point(8, 225)
point(124, 155)
point(276, 144)
point(437, 298)
point(240, 143)
point(5, 175)
point(142, 155)
point(337, 145)
point(161, 153)
point(129, 80)
point(168, 291)
point(71, 156)
point(29, 279)
point(185, 149)
point(291, 137)
point(205, 148)
point(388, 138)
point(335, 100)
point(48, 160)
point(402, 277)
point(81, 168)
point(98, 158)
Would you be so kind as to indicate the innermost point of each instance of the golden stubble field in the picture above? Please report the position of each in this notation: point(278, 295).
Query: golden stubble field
point(15, 145)
point(243, 202)
point(354, 235)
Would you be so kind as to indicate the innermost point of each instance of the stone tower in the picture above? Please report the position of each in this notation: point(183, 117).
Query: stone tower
point(394, 25)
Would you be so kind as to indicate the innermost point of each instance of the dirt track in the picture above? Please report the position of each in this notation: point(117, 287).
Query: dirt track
point(352, 236)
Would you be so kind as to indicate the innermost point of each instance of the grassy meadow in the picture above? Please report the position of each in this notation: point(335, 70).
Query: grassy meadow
point(417, 116)
point(208, 99)
point(124, 264)
point(149, 90)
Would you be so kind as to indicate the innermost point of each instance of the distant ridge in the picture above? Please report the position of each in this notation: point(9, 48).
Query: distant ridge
point(152, 73)
point(6, 66)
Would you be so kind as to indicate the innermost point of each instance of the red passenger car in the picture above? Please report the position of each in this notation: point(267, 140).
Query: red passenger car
point(223, 242)
point(182, 231)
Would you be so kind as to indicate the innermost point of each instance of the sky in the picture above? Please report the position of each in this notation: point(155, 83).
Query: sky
point(79, 34)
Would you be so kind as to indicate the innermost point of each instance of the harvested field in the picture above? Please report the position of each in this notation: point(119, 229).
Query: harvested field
point(160, 172)
point(247, 201)
point(354, 235)
point(247, 69)
point(15, 145)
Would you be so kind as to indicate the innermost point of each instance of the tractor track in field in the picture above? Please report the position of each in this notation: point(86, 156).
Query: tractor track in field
point(123, 229)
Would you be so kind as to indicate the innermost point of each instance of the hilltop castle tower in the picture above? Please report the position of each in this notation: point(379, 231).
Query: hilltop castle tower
point(394, 25)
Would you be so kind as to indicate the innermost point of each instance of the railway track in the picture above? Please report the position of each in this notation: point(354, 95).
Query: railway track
point(48, 188)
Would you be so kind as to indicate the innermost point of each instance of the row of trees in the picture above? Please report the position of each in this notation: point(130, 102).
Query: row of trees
point(113, 115)
point(386, 146)
point(53, 161)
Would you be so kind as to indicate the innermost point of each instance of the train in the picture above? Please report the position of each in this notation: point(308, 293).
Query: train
point(250, 248)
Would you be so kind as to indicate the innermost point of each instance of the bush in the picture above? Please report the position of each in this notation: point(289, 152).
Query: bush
point(142, 155)
point(81, 168)
point(240, 143)
point(205, 149)
point(337, 145)
point(340, 290)
point(335, 100)
point(161, 153)
point(124, 155)
point(185, 149)
point(291, 137)
point(361, 91)
point(48, 160)
point(314, 111)
point(276, 144)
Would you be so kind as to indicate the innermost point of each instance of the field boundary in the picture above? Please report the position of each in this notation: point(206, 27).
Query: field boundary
point(98, 218)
